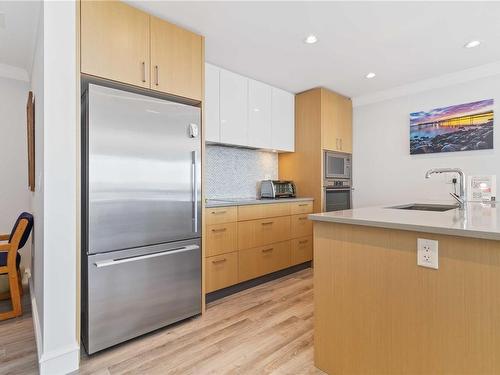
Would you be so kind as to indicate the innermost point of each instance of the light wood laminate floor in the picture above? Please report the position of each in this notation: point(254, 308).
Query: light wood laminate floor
point(17, 341)
point(264, 330)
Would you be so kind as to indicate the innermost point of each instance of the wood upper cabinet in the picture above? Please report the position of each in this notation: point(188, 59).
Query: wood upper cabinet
point(176, 60)
point(259, 114)
point(115, 42)
point(336, 122)
point(344, 120)
point(124, 44)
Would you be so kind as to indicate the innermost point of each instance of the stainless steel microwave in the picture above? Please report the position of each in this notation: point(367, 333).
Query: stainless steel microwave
point(337, 165)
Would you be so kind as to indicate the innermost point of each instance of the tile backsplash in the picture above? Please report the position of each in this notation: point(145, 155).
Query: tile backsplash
point(236, 172)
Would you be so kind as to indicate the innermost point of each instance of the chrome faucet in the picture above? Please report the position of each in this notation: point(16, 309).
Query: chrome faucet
point(460, 198)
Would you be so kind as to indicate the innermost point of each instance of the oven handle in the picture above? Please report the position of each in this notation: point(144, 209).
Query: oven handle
point(338, 189)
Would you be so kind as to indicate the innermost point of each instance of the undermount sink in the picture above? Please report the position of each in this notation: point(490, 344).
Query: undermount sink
point(426, 207)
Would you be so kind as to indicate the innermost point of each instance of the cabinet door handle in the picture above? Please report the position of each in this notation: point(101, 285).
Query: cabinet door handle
point(341, 143)
point(267, 250)
point(219, 230)
point(303, 204)
point(219, 261)
point(337, 143)
point(303, 218)
point(218, 212)
point(303, 242)
point(157, 76)
point(267, 223)
point(143, 71)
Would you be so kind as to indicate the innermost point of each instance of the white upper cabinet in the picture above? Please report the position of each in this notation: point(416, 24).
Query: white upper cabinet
point(233, 108)
point(283, 120)
point(212, 118)
point(259, 114)
point(243, 112)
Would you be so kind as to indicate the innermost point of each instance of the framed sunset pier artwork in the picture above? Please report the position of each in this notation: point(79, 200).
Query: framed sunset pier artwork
point(462, 127)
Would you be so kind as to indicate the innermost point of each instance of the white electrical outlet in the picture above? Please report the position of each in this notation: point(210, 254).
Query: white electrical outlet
point(427, 253)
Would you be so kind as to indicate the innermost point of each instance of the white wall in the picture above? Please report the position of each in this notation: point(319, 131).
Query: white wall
point(54, 81)
point(14, 192)
point(383, 170)
point(37, 196)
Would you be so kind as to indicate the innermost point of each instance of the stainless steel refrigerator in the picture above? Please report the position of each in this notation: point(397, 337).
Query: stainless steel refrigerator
point(141, 214)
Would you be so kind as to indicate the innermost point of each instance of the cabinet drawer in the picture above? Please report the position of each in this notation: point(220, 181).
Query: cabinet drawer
point(219, 215)
point(263, 260)
point(301, 207)
point(221, 271)
point(302, 250)
point(300, 226)
point(255, 233)
point(260, 211)
point(221, 238)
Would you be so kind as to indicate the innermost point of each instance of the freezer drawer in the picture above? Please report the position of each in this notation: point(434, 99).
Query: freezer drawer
point(136, 291)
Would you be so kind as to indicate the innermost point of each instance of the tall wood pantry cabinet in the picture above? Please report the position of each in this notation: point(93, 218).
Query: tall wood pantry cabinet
point(323, 121)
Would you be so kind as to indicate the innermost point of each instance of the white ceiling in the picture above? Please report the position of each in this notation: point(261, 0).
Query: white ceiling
point(402, 42)
point(18, 37)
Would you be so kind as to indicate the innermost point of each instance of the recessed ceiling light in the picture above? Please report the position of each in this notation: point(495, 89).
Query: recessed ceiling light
point(370, 75)
point(472, 44)
point(311, 39)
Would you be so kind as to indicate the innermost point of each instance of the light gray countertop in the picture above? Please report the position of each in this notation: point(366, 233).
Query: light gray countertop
point(249, 201)
point(478, 220)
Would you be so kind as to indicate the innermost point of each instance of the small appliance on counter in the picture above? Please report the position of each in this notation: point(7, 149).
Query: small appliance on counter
point(274, 189)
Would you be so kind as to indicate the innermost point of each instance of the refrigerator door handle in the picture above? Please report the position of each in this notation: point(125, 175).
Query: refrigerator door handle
point(194, 166)
point(113, 262)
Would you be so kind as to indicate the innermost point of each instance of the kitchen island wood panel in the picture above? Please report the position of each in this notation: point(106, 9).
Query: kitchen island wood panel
point(377, 312)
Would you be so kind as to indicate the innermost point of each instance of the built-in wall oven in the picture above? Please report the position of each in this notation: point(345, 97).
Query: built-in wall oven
point(337, 183)
point(338, 195)
point(337, 165)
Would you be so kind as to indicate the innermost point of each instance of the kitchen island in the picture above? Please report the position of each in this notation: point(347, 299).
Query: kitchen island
point(378, 312)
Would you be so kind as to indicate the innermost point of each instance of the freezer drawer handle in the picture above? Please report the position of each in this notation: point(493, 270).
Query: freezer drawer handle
point(112, 262)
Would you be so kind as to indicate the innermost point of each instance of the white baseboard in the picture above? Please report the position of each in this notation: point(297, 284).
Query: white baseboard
point(36, 320)
point(62, 361)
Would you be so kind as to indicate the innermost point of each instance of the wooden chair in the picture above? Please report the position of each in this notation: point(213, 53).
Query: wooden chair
point(10, 260)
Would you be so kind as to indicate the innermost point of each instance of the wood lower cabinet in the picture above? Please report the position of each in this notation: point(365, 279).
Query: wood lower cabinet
point(115, 42)
point(221, 238)
point(302, 250)
point(254, 233)
point(176, 60)
point(301, 208)
point(300, 226)
point(259, 211)
point(263, 260)
point(219, 215)
point(246, 242)
point(221, 271)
